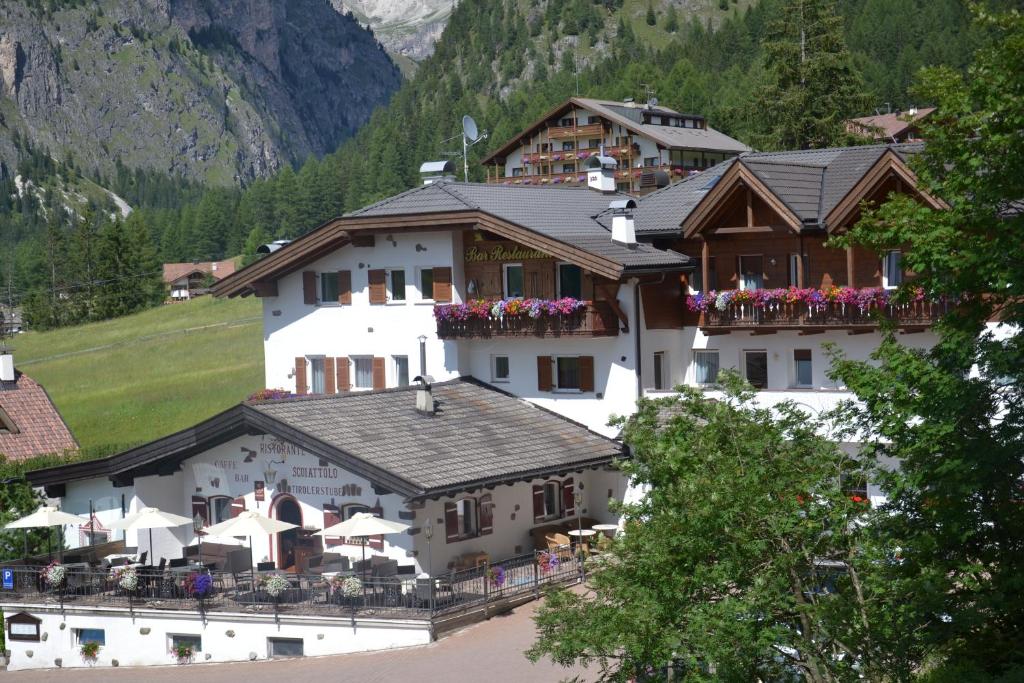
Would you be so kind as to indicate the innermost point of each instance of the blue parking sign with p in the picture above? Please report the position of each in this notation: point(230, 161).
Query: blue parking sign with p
point(8, 579)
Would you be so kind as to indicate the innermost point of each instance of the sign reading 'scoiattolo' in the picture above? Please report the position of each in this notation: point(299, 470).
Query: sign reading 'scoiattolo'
point(500, 253)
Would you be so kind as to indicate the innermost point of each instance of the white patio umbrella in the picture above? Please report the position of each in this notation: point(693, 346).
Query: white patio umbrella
point(150, 518)
point(364, 524)
point(249, 523)
point(47, 516)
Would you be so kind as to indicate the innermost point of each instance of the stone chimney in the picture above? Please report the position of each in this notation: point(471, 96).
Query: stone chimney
point(623, 230)
point(424, 397)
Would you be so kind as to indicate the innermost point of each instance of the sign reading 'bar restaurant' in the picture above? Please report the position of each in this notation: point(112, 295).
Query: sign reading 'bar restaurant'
point(499, 253)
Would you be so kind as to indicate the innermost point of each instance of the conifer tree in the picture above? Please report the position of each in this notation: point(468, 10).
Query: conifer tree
point(812, 86)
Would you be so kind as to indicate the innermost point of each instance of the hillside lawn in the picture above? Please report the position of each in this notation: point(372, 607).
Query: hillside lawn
point(127, 381)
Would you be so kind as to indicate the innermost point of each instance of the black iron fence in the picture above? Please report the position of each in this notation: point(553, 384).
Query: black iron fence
point(329, 594)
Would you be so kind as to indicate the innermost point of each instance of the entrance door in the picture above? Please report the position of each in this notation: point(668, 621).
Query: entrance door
point(751, 272)
point(288, 511)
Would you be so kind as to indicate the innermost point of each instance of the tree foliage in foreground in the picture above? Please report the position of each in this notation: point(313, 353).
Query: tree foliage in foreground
point(954, 416)
point(740, 564)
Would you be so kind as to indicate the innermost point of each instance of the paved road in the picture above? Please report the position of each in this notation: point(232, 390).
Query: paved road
point(488, 651)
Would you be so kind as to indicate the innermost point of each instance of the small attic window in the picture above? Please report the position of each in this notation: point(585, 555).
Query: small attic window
point(7, 425)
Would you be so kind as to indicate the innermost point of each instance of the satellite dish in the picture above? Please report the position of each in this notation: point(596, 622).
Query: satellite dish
point(653, 102)
point(469, 128)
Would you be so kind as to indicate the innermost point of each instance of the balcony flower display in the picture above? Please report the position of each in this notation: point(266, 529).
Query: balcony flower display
point(483, 309)
point(270, 395)
point(861, 298)
point(125, 577)
point(54, 574)
point(198, 585)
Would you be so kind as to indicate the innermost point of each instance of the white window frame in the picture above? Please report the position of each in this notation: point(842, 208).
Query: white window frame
point(554, 374)
point(504, 279)
point(172, 636)
point(78, 635)
point(494, 369)
point(313, 359)
point(887, 275)
point(558, 278)
point(270, 647)
point(660, 375)
point(388, 287)
point(797, 384)
point(395, 371)
point(320, 289)
point(743, 358)
point(468, 513)
point(794, 268)
point(355, 372)
point(425, 297)
point(212, 507)
point(696, 365)
point(559, 510)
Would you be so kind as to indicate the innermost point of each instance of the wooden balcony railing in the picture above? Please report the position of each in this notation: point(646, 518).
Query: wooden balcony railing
point(597, 319)
point(800, 315)
point(575, 131)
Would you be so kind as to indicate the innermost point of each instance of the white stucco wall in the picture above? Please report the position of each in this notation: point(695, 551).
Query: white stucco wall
point(292, 328)
point(144, 639)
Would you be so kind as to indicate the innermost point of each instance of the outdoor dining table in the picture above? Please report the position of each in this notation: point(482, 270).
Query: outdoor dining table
point(606, 529)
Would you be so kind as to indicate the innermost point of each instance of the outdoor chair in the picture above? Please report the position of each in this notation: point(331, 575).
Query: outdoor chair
point(239, 565)
point(265, 566)
point(144, 556)
point(178, 562)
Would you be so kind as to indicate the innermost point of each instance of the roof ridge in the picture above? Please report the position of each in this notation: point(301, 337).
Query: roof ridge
point(387, 200)
point(443, 186)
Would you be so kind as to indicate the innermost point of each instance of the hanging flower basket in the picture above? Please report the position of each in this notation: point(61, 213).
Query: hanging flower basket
point(496, 576)
point(548, 561)
point(183, 653)
point(54, 574)
point(90, 650)
point(274, 585)
point(126, 578)
point(198, 585)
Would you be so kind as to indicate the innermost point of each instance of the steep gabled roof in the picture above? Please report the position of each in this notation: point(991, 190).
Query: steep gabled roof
point(219, 269)
point(628, 116)
point(809, 183)
point(30, 424)
point(478, 436)
point(888, 126)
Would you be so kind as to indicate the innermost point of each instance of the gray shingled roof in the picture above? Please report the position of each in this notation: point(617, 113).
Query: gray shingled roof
point(566, 214)
point(478, 433)
point(670, 136)
point(810, 182)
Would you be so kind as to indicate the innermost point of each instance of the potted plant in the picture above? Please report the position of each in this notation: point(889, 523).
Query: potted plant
point(496, 576)
point(548, 561)
point(183, 653)
point(275, 585)
point(198, 585)
point(90, 650)
point(126, 578)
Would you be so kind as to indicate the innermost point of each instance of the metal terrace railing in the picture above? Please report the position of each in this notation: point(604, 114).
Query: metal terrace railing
point(596, 319)
point(306, 594)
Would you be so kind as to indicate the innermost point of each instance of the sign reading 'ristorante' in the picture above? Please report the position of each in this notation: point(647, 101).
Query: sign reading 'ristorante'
point(500, 253)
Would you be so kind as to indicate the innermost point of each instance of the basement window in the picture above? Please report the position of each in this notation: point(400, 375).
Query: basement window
point(193, 642)
point(284, 647)
point(91, 635)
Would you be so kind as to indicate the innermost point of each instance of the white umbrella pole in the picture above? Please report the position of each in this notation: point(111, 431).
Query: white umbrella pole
point(152, 556)
point(252, 573)
point(60, 538)
point(365, 539)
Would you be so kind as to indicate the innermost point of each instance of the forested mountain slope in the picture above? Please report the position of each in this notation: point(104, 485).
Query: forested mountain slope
point(219, 92)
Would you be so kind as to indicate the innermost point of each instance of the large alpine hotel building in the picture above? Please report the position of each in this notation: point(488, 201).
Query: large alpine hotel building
point(509, 433)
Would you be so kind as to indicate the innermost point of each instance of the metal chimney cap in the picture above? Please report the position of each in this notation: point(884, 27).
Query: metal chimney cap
point(446, 166)
point(622, 204)
point(272, 247)
point(424, 380)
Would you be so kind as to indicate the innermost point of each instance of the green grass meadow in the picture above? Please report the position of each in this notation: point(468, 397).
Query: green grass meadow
point(126, 381)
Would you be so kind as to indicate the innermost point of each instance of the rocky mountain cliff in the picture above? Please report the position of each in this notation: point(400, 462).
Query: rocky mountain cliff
point(220, 92)
point(405, 27)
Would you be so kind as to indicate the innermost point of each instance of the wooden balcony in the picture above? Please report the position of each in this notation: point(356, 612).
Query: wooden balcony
point(590, 129)
point(596, 320)
point(914, 316)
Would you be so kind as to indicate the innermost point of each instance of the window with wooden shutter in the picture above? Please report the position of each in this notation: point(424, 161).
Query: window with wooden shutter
point(568, 498)
point(544, 373)
point(301, 388)
point(451, 522)
point(344, 286)
point(237, 506)
point(586, 373)
point(379, 373)
point(378, 286)
point(341, 366)
point(332, 516)
point(486, 506)
point(442, 284)
point(309, 288)
point(329, 376)
point(538, 503)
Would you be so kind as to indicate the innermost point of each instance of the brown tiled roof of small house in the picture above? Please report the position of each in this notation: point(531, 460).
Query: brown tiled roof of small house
point(29, 422)
point(219, 269)
point(892, 126)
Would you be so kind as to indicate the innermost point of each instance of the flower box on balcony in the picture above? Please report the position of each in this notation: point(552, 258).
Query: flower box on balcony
point(524, 317)
point(808, 307)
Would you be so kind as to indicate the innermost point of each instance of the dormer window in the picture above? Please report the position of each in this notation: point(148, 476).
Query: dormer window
point(7, 425)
